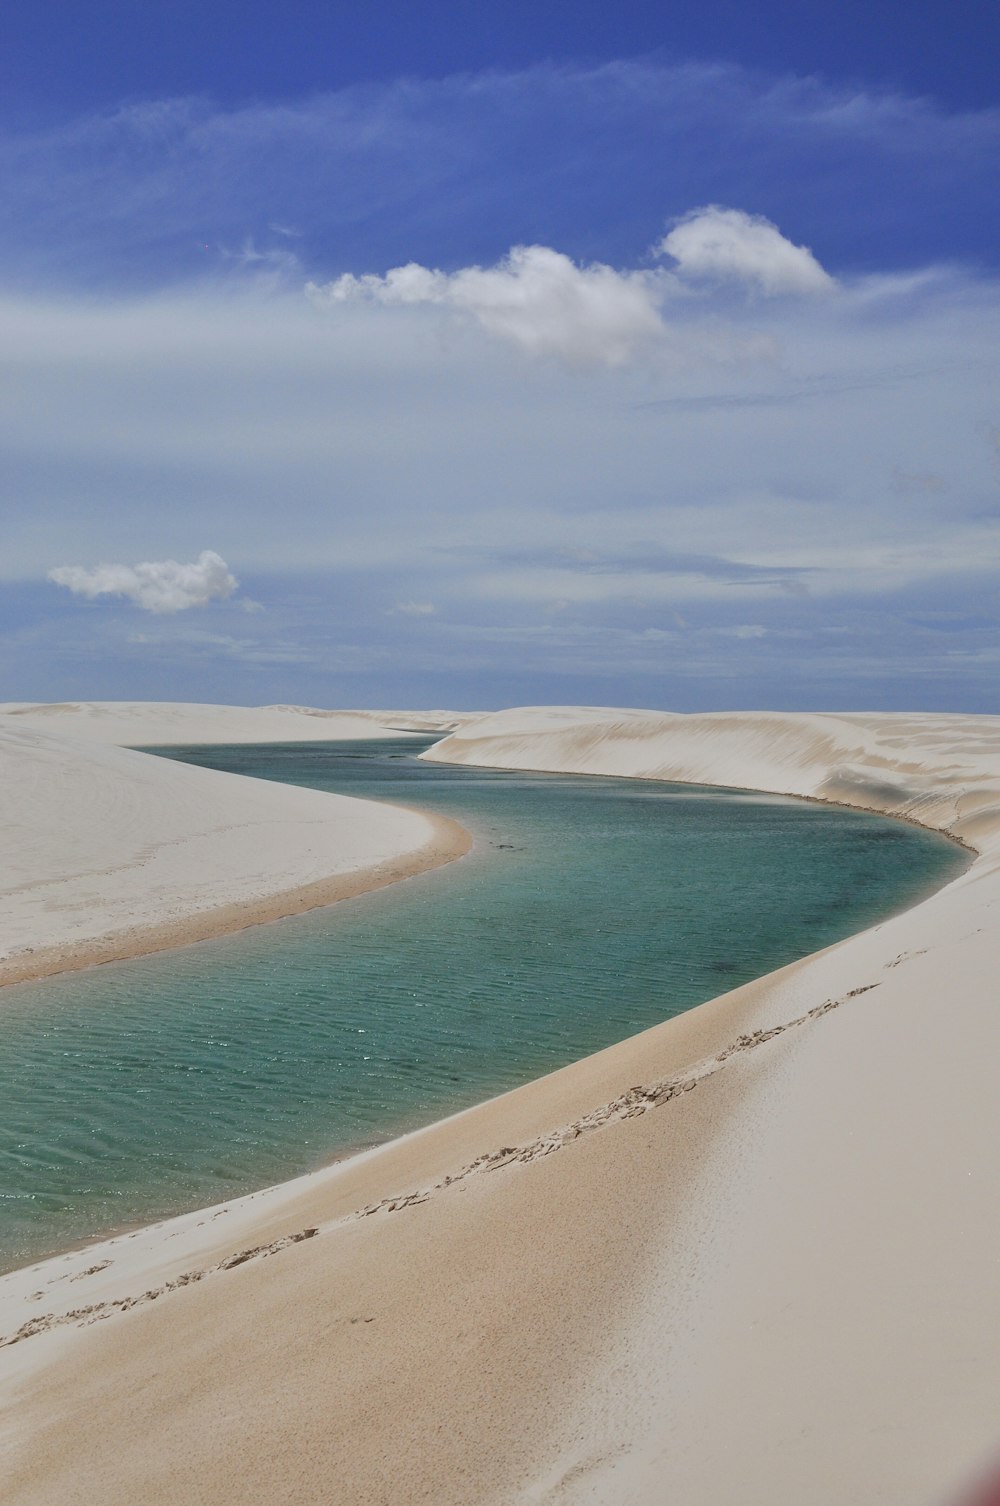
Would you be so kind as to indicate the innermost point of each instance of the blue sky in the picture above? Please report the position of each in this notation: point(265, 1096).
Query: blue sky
point(289, 416)
point(62, 58)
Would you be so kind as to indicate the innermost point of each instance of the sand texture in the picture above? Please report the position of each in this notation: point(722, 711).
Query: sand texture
point(108, 853)
point(749, 1255)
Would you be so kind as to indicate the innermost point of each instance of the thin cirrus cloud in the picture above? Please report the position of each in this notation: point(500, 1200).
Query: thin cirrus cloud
point(542, 301)
point(159, 586)
point(424, 169)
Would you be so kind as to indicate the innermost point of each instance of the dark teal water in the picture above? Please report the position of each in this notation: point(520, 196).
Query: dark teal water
point(589, 909)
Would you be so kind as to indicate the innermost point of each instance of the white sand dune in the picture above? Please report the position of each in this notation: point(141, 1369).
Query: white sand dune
point(163, 723)
point(108, 853)
point(749, 1255)
point(935, 769)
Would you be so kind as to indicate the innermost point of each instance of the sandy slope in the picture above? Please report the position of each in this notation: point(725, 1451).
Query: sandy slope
point(749, 1255)
point(940, 770)
point(161, 723)
point(109, 852)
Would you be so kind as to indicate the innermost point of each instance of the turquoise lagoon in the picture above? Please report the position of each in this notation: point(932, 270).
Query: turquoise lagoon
point(589, 909)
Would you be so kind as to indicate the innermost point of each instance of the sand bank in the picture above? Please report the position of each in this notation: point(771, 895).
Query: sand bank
point(110, 853)
point(747, 1255)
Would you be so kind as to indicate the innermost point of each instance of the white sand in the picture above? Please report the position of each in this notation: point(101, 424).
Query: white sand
point(136, 724)
point(707, 1265)
point(108, 852)
point(939, 770)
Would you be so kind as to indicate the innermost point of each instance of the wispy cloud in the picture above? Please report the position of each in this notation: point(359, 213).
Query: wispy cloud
point(160, 586)
point(436, 171)
point(623, 564)
point(771, 420)
point(422, 451)
point(921, 481)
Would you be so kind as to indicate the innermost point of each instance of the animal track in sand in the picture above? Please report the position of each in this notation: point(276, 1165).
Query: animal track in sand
point(637, 1100)
point(628, 1105)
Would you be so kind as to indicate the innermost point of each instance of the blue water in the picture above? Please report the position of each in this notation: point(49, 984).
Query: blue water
point(589, 909)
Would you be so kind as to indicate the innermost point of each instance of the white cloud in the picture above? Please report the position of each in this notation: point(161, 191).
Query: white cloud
point(128, 189)
point(731, 245)
point(390, 454)
point(367, 447)
point(414, 609)
point(276, 262)
point(536, 297)
point(160, 586)
point(591, 314)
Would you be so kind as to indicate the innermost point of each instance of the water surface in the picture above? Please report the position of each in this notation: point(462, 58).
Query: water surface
point(589, 909)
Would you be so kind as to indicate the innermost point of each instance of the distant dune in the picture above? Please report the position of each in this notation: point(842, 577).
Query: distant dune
point(162, 723)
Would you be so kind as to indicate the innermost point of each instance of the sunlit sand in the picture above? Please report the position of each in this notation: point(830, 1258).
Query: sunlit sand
point(748, 1254)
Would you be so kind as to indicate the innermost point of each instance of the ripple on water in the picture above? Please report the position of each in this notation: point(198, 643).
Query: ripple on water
point(589, 909)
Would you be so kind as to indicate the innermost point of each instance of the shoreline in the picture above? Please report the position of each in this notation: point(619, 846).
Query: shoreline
point(541, 1267)
point(449, 842)
point(746, 789)
point(113, 853)
point(443, 851)
point(319, 1179)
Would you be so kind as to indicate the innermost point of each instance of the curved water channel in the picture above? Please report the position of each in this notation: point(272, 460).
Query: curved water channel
point(589, 909)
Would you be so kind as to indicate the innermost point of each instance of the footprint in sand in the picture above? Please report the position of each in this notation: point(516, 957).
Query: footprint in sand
point(92, 1270)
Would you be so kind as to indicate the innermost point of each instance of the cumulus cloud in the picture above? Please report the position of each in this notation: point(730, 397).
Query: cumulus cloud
point(730, 245)
point(160, 586)
point(535, 297)
point(592, 314)
point(414, 609)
